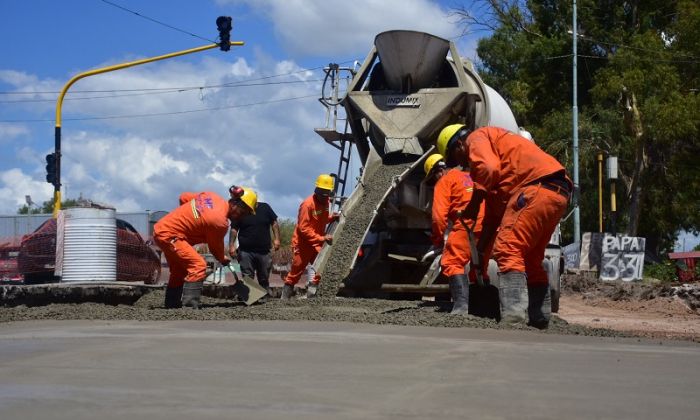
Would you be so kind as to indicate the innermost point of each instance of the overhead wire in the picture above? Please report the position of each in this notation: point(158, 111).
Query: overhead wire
point(172, 88)
point(163, 91)
point(158, 114)
point(157, 21)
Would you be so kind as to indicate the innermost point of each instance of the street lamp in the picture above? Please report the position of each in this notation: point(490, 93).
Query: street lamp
point(54, 162)
point(574, 109)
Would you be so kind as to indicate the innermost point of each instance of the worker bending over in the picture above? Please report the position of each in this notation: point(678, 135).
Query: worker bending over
point(526, 192)
point(201, 218)
point(451, 194)
point(309, 233)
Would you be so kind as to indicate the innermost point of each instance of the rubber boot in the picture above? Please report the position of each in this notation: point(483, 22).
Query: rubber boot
point(512, 292)
point(287, 291)
point(173, 297)
point(539, 310)
point(459, 288)
point(311, 290)
point(191, 293)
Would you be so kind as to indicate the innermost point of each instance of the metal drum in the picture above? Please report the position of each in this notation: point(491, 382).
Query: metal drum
point(89, 245)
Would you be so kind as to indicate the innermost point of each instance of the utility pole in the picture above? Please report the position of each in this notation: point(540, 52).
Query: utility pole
point(53, 161)
point(577, 214)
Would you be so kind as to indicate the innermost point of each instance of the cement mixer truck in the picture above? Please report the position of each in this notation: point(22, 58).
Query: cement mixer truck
point(408, 88)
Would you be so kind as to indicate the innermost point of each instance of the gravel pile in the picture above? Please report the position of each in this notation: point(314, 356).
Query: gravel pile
point(348, 237)
point(372, 311)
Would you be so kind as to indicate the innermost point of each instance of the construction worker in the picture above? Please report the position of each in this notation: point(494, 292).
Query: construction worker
point(451, 194)
point(255, 243)
point(526, 192)
point(201, 218)
point(309, 233)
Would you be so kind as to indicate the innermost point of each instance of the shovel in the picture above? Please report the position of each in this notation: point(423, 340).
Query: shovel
point(246, 289)
point(474, 252)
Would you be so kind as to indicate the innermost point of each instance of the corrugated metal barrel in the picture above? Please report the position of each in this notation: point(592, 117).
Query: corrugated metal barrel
point(89, 245)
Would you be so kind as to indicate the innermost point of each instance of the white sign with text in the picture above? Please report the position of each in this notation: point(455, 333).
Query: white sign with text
point(622, 257)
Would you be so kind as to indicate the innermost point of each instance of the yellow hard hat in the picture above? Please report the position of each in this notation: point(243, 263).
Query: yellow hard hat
point(249, 198)
point(325, 182)
point(444, 141)
point(430, 163)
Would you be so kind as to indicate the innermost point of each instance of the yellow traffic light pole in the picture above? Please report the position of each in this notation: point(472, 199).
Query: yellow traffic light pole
point(59, 104)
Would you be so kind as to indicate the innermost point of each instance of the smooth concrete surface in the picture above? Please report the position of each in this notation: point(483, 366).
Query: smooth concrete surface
point(309, 370)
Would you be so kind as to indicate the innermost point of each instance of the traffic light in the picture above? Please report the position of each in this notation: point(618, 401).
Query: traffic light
point(51, 169)
point(224, 25)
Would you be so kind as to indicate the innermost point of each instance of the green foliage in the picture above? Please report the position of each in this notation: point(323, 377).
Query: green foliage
point(47, 207)
point(665, 271)
point(650, 50)
point(286, 231)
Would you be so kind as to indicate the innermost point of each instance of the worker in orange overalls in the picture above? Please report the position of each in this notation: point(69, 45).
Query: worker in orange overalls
point(201, 218)
point(309, 234)
point(451, 194)
point(526, 192)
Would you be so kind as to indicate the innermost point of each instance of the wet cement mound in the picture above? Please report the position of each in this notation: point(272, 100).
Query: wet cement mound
point(348, 237)
point(149, 307)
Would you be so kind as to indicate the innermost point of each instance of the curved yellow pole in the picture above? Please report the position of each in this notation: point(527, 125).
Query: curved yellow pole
point(59, 103)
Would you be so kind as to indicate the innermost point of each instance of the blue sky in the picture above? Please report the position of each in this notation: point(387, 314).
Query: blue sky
point(210, 137)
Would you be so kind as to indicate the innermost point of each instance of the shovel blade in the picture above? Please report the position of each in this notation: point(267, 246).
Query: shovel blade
point(248, 290)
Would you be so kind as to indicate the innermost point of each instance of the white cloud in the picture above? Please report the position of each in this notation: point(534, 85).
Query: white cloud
point(144, 163)
point(15, 185)
point(9, 131)
point(248, 135)
point(342, 28)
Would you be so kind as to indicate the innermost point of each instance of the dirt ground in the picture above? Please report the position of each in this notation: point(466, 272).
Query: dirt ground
point(640, 309)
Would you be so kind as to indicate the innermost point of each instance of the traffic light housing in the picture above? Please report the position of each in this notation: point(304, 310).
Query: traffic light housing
point(52, 169)
point(224, 25)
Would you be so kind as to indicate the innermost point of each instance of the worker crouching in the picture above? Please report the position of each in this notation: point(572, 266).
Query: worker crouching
point(526, 192)
point(309, 233)
point(201, 218)
point(451, 194)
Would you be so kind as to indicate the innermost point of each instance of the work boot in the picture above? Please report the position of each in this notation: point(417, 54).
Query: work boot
point(191, 293)
point(173, 297)
point(287, 291)
point(512, 292)
point(539, 309)
point(459, 288)
point(311, 290)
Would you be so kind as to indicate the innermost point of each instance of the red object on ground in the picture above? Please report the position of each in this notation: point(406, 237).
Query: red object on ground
point(685, 265)
point(136, 260)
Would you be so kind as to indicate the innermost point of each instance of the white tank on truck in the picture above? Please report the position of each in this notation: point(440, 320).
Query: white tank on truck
point(410, 86)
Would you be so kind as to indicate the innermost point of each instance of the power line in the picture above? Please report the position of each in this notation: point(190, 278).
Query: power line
point(161, 92)
point(172, 88)
point(157, 21)
point(636, 48)
point(114, 117)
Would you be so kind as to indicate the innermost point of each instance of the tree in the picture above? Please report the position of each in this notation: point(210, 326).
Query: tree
point(286, 231)
point(47, 206)
point(638, 81)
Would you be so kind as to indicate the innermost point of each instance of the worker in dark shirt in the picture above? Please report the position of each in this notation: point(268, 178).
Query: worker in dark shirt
point(255, 242)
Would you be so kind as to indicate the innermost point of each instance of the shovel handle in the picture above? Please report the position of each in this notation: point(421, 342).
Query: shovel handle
point(474, 251)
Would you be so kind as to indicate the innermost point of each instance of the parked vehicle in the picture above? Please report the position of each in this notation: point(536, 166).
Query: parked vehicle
point(9, 274)
point(136, 260)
